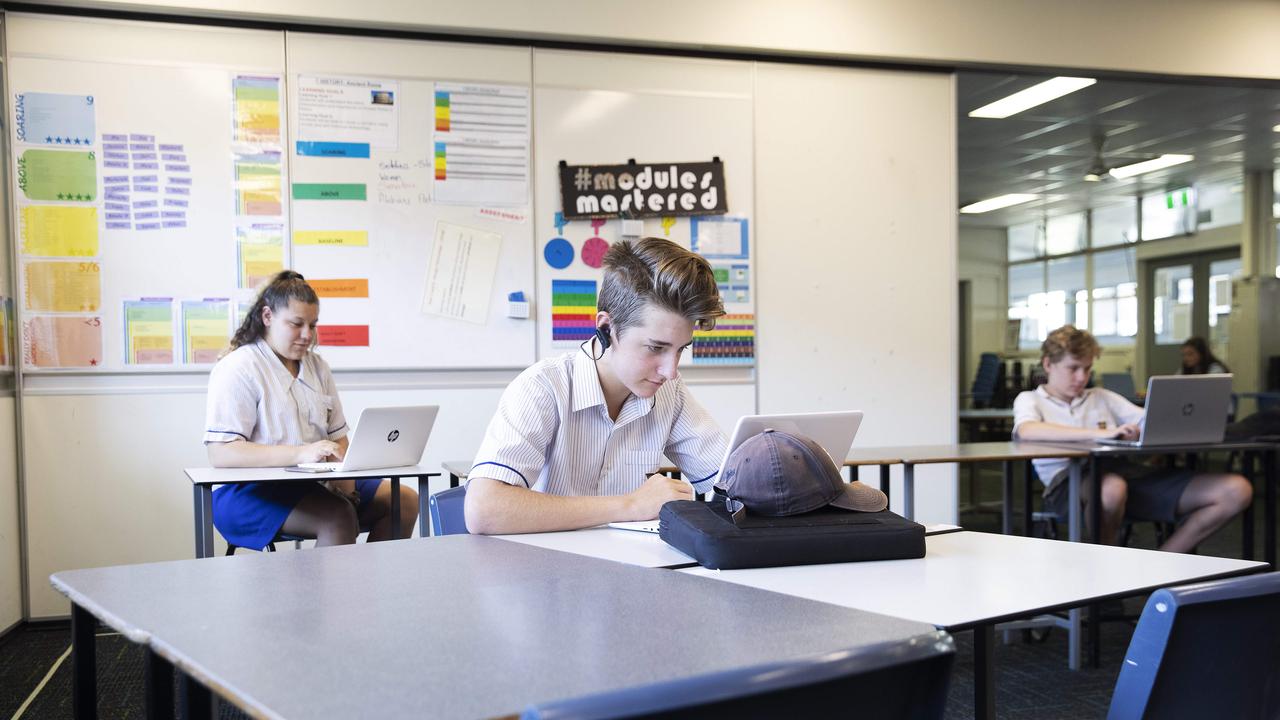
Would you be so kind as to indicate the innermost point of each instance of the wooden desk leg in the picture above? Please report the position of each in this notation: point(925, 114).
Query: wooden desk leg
point(195, 700)
point(84, 673)
point(395, 508)
point(1006, 507)
point(159, 686)
point(984, 672)
point(202, 497)
point(884, 481)
point(909, 491)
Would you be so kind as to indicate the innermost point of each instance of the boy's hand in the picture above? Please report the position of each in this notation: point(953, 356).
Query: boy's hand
point(647, 500)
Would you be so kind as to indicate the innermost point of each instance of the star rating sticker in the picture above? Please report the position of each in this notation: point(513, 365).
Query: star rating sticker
point(48, 139)
point(93, 361)
point(76, 141)
point(61, 197)
point(58, 140)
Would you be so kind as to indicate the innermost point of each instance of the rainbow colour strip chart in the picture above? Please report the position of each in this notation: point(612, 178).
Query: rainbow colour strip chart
point(733, 342)
point(573, 310)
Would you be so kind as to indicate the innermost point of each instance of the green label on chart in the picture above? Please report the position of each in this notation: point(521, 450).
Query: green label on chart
point(58, 175)
point(328, 191)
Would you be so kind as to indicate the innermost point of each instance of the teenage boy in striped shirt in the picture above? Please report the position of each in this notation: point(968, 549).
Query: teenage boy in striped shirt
point(577, 439)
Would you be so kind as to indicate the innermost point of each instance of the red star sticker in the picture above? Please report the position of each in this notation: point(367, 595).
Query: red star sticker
point(93, 362)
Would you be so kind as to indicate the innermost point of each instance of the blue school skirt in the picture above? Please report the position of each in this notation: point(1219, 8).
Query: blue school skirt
point(250, 515)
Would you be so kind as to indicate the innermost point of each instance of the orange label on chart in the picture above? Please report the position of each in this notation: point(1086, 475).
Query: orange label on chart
point(349, 288)
point(344, 335)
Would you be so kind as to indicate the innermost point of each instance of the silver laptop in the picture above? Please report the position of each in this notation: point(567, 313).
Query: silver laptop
point(1183, 410)
point(834, 431)
point(385, 437)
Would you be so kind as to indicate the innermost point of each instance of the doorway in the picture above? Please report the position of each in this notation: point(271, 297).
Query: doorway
point(1190, 296)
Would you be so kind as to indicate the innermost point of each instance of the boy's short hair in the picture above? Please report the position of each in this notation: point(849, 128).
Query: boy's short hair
point(1070, 340)
point(654, 271)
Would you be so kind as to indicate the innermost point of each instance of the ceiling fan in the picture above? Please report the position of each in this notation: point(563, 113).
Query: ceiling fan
point(1099, 170)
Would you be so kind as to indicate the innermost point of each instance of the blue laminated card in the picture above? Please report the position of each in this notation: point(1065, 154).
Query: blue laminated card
point(54, 119)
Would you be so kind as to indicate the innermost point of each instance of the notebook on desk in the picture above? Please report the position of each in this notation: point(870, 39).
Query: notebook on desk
point(385, 437)
point(834, 431)
point(1183, 410)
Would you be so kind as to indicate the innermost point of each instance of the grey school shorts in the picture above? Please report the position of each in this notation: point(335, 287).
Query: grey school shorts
point(1153, 491)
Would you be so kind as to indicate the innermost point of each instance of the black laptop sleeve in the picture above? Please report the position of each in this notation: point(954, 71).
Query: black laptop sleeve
point(706, 532)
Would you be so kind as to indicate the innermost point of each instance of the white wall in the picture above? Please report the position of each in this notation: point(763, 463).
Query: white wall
point(1230, 38)
point(983, 254)
point(10, 559)
point(855, 204)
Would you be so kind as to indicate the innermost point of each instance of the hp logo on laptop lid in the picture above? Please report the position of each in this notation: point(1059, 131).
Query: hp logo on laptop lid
point(393, 435)
point(1188, 408)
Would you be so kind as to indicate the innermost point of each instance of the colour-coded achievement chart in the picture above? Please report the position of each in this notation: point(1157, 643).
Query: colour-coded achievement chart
point(54, 119)
point(573, 310)
point(148, 331)
point(733, 342)
point(205, 329)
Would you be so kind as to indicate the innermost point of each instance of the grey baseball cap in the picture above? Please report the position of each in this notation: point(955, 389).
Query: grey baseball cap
point(777, 474)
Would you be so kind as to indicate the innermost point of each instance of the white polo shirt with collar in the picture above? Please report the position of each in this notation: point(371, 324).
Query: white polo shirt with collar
point(254, 397)
point(1094, 408)
point(552, 433)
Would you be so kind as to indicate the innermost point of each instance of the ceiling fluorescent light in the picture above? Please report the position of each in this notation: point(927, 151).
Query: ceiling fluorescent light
point(1032, 96)
point(1147, 166)
point(1276, 128)
point(997, 203)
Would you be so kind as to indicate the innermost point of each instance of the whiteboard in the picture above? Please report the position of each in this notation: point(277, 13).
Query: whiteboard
point(597, 108)
point(403, 208)
point(172, 83)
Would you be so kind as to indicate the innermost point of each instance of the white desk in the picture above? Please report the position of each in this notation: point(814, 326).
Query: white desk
point(203, 479)
point(971, 580)
point(606, 543)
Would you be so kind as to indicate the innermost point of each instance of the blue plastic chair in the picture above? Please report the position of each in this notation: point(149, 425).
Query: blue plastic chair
point(983, 389)
point(447, 516)
point(1205, 650)
point(906, 679)
point(1121, 384)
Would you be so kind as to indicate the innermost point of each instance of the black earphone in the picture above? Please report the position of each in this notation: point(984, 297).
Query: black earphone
point(602, 334)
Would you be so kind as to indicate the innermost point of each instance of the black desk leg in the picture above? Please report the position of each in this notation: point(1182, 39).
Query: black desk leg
point(1028, 476)
point(453, 480)
point(395, 508)
point(1095, 515)
point(984, 672)
point(84, 673)
point(1006, 508)
point(884, 481)
point(159, 686)
point(196, 701)
point(1249, 464)
point(1269, 509)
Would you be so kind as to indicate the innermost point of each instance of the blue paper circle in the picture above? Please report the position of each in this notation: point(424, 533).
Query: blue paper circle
point(559, 253)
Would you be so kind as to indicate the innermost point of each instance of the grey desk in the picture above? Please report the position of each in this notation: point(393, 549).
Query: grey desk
point(459, 469)
point(203, 479)
point(335, 633)
point(972, 581)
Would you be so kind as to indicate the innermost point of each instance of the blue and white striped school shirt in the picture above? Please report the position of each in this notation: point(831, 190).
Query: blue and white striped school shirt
point(552, 433)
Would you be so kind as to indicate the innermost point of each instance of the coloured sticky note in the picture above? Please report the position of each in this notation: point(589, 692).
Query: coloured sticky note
point(58, 286)
point(59, 231)
point(58, 175)
point(54, 119)
point(348, 288)
point(344, 335)
point(51, 341)
point(329, 191)
point(346, 238)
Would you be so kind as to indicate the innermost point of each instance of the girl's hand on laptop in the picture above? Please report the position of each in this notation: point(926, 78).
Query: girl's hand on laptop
point(318, 451)
point(648, 499)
